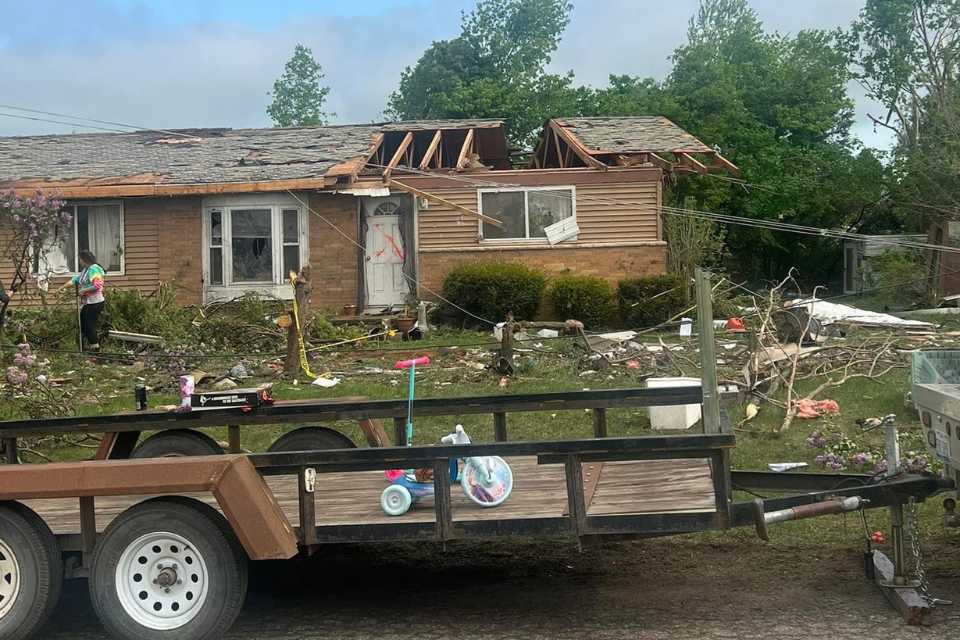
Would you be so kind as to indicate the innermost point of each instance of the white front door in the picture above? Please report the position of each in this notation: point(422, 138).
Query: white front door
point(385, 283)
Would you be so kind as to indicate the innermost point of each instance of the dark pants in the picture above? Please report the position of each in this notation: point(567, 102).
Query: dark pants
point(89, 316)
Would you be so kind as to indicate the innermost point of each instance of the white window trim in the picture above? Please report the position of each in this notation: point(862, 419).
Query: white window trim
point(526, 205)
point(276, 202)
point(76, 238)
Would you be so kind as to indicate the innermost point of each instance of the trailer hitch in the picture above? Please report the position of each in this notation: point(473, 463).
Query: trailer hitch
point(826, 507)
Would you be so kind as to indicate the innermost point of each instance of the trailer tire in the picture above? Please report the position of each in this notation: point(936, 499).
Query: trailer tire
point(311, 439)
point(31, 571)
point(177, 443)
point(191, 589)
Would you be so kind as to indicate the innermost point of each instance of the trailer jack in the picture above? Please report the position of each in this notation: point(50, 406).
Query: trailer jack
point(827, 507)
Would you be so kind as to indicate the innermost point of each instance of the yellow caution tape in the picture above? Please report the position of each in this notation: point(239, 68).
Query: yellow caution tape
point(296, 318)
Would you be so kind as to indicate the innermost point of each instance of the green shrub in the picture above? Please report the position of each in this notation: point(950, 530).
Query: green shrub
point(646, 302)
point(585, 298)
point(494, 289)
point(898, 275)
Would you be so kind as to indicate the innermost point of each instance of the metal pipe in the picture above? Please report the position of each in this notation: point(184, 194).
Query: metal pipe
point(892, 445)
point(801, 512)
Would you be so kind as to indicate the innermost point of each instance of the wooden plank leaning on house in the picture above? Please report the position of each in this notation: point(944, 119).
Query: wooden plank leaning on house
point(446, 203)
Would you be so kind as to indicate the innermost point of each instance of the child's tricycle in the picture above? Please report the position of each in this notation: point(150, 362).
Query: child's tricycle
point(487, 480)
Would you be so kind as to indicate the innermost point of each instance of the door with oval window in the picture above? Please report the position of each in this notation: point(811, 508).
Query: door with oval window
point(384, 252)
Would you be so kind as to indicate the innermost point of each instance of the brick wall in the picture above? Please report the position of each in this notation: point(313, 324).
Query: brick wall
point(610, 262)
point(332, 256)
point(180, 245)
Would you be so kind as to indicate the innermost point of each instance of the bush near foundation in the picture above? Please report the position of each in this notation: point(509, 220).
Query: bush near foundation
point(585, 298)
point(649, 301)
point(494, 289)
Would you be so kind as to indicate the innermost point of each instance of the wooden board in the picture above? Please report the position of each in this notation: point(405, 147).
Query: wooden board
point(651, 486)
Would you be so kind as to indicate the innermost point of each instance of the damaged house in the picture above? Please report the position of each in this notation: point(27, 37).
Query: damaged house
point(375, 209)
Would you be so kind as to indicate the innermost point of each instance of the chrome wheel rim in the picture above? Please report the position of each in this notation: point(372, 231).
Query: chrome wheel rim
point(9, 579)
point(162, 581)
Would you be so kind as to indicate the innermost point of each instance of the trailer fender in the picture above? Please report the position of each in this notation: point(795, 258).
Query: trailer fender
point(239, 489)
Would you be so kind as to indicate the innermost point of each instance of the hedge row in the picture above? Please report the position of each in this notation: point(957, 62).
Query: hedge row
point(495, 289)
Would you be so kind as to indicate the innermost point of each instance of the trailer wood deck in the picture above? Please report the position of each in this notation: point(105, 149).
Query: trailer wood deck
point(347, 500)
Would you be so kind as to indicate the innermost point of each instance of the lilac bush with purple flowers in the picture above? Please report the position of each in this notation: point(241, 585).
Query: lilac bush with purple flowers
point(841, 453)
point(29, 388)
point(31, 225)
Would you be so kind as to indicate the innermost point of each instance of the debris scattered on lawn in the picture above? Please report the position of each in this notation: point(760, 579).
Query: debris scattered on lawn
point(224, 384)
point(240, 372)
point(780, 467)
point(807, 408)
point(326, 383)
point(831, 312)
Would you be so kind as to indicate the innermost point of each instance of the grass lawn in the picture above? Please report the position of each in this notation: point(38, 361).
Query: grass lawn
point(108, 388)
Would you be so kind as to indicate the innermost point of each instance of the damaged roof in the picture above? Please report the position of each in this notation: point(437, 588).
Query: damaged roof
point(196, 156)
point(632, 135)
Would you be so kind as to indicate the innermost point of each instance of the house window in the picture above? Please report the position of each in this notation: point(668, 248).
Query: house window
point(97, 228)
point(253, 243)
point(525, 213)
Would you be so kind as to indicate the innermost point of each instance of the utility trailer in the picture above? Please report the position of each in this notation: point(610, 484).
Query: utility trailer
point(165, 542)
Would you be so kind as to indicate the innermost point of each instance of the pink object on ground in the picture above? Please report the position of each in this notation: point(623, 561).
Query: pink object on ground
point(816, 408)
point(406, 364)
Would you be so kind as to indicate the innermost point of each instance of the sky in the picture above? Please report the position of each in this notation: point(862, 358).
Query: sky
point(211, 63)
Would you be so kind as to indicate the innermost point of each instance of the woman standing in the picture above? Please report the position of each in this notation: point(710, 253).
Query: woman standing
point(89, 283)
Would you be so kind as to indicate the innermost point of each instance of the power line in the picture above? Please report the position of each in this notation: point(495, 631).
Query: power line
point(69, 124)
point(705, 215)
point(291, 193)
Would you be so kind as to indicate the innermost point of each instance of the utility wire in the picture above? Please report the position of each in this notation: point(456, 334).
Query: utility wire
point(291, 193)
point(717, 217)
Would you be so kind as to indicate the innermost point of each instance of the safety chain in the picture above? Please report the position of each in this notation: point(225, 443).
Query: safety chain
point(913, 532)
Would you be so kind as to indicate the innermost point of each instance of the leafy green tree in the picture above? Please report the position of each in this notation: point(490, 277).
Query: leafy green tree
point(777, 107)
point(495, 68)
point(905, 53)
point(298, 96)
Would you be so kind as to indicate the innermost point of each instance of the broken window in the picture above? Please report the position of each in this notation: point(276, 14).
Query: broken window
point(251, 244)
point(97, 228)
point(525, 213)
point(255, 246)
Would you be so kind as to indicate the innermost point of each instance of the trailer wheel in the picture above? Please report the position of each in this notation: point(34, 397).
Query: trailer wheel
point(311, 439)
point(169, 568)
point(177, 443)
point(31, 571)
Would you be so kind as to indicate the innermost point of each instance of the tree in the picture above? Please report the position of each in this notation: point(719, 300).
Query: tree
point(495, 68)
point(297, 95)
point(904, 53)
point(31, 227)
point(776, 106)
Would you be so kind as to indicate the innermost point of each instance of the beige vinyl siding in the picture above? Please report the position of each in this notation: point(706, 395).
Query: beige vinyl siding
point(140, 246)
point(601, 220)
point(442, 227)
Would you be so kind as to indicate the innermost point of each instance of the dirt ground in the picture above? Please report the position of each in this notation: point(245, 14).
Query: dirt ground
point(660, 589)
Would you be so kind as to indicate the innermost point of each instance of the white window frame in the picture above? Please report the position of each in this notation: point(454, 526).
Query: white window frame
point(72, 207)
point(277, 203)
point(526, 211)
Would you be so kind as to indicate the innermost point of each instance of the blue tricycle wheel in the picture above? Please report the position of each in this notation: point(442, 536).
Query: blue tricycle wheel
point(395, 500)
